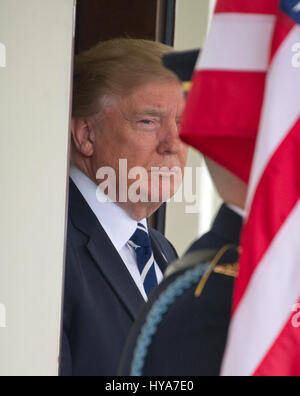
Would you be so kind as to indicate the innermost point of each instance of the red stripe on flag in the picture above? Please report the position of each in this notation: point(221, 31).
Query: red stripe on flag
point(283, 27)
point(222, 117)
point(277, 194)
point(283, 359)
point(253, 6)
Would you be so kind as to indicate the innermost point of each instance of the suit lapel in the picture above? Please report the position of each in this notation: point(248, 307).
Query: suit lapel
point(159, 255)
point(104, 253)
point(116, 273)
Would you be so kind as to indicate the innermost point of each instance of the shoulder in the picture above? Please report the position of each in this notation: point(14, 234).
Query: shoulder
point(175, 308)
point(208, 241)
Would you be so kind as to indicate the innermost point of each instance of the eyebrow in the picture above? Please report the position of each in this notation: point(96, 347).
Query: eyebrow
point(152, 112)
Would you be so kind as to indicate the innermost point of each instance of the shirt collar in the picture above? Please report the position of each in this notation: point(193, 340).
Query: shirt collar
point(237, 210)
point(116, 222)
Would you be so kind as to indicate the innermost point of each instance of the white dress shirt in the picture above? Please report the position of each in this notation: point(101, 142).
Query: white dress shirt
point(237, 210)
point(118, 225)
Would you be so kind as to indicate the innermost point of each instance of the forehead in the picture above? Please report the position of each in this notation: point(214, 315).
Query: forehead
point(158, 98)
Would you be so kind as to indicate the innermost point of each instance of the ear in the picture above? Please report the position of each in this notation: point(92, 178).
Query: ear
point(82, 136)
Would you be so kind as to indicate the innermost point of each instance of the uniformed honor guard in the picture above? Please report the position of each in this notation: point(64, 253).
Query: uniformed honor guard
point(182, 331)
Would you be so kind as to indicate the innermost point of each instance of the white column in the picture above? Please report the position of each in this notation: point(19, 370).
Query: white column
point(35, 91)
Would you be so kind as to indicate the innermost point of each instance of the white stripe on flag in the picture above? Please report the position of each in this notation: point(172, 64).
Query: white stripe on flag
point(147, 267)
point(279, 112)
point(238, 42)
point(269, 299)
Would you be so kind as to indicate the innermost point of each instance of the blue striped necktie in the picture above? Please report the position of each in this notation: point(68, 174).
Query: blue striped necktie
point(140, 241)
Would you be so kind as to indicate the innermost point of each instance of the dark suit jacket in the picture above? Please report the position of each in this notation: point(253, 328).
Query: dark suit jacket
point(191, 338)
point(226, 230)
point(101, 299)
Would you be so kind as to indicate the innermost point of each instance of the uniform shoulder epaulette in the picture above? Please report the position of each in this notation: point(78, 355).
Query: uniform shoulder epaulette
point(190, 260)
point(227, 270)
point(212, 259)
point(203, 257)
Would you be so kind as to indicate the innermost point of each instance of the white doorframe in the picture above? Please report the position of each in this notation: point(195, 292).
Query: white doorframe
point(35, 95)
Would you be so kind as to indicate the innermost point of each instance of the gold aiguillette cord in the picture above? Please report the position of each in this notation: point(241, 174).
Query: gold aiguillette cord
point(211, 268)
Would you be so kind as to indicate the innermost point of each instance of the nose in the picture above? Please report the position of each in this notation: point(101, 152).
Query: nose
point(170, 142)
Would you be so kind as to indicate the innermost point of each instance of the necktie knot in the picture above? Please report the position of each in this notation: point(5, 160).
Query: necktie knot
point(140, 239)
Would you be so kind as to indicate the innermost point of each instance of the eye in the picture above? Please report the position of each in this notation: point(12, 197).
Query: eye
point(147, 122)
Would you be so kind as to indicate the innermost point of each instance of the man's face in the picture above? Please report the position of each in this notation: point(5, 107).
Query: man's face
point(143, 128)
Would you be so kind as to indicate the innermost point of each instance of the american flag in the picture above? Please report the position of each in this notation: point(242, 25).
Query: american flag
point(246, 83)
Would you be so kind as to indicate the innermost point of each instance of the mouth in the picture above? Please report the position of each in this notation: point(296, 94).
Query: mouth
point(164, 171)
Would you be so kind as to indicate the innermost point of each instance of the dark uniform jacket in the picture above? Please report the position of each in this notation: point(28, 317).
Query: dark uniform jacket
point(101, 299)
point(179, 334)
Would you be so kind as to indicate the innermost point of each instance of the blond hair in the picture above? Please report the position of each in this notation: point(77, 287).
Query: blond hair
point(115, 68)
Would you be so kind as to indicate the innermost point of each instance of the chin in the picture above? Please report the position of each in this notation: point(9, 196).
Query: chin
point(163, 194)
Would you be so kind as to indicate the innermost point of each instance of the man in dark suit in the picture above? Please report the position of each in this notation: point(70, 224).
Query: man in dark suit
point(182, 331)
point(125, 119)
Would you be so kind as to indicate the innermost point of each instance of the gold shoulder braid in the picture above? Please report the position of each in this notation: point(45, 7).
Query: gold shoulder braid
point(224, 269)
point(187, 85)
